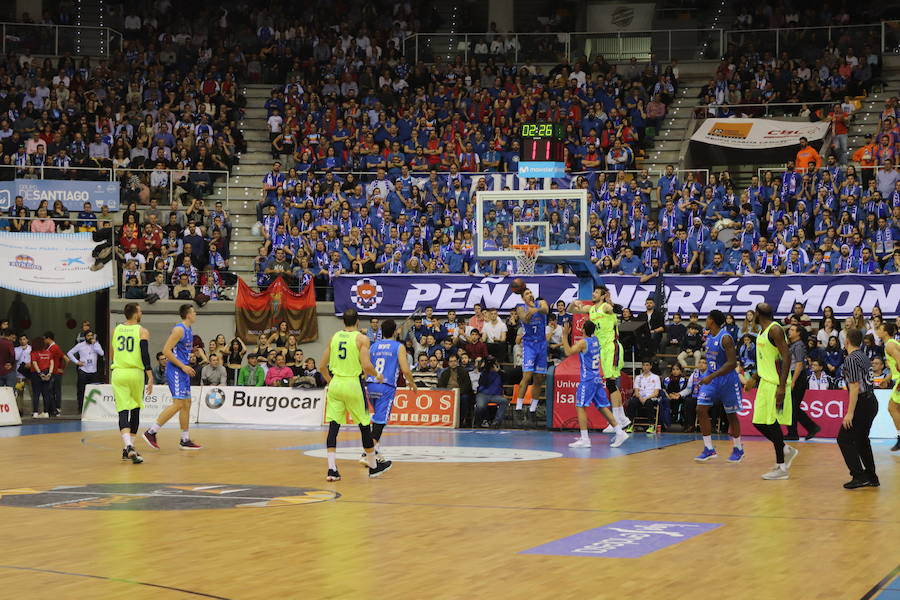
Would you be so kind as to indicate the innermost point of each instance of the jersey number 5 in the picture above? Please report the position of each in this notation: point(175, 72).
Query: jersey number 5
point(342, 350)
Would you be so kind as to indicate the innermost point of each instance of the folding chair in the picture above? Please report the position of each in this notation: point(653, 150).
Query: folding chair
point(639, 419)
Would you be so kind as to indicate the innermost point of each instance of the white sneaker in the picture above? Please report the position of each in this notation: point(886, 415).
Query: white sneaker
point(580, 443)
point(790, 453)
point(609, 429)
point(35, 416)
point(776, 473)
point(626, 423)
point(363, 460)
point(619, 440)
point(44, 415)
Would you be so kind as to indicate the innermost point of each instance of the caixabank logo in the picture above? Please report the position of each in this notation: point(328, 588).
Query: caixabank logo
point(366, 294)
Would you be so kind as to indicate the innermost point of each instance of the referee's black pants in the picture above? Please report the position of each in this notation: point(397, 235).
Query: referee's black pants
point(854, 442)
point(798, 390)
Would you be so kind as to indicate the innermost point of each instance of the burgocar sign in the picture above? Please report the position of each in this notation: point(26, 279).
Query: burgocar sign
point(262, 406)
point(399, 295)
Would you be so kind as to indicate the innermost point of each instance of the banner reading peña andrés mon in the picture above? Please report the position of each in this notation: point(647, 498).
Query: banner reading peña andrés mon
point(53, 265)
point(687, 294)
point(401, 295)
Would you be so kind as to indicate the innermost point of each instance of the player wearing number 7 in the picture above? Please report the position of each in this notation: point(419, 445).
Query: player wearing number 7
point(591, 389)
point(345, 359)
point(389, 358)
point(130, 360)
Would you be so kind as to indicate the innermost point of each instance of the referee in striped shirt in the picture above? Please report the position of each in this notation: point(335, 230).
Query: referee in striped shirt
point(853, 438)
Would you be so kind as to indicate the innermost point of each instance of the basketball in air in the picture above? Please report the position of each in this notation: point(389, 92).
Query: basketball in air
point(517, 285)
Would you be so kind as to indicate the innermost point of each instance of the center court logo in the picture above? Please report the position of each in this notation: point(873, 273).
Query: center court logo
point(366, 294)
point(215, 398)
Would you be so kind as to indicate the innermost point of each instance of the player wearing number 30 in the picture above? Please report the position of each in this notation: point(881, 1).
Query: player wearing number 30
point(345, 359)
point(591, 389)
point(130, 357)
point(389, 358)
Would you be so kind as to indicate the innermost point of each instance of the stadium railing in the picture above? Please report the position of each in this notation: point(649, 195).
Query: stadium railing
point(665, 44)
point(56, 40)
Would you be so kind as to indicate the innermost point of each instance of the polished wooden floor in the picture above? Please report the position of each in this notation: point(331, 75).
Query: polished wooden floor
point(445, 530)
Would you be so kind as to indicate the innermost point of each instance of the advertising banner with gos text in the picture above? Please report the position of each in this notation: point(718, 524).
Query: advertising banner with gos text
point(423, 408)
point(100, 406)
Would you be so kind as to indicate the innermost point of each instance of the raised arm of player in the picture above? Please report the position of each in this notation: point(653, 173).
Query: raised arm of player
point(169, 347)
point(570, 350)
point(365, 361)
point(579, 307)
point(404, 368)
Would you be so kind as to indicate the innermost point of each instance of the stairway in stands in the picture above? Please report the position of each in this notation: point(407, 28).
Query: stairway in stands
point(676, 127)
point(246, 181)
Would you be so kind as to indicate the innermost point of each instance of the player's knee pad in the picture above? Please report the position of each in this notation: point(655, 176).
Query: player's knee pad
point(134, 420)
point(331, 439)
point(611, 386)
point(123, 419)
point(366, 432)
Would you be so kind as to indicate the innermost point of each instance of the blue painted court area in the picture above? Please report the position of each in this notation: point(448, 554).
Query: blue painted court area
point(890, 590)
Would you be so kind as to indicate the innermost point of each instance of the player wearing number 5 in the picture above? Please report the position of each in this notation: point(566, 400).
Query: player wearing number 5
point(345, 359)
point(389, 358)
point(130, 358)
point(591, 389)
point(177, 350)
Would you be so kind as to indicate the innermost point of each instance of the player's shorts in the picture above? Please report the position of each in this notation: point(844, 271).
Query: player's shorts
point(895, 394)
point(591, 393)
point(611, 358)
point(346, 395)
point(128, 388)
point(534, 358)
point(382, 398)
point(764, 410)
point(726, 390)
point(179, 383)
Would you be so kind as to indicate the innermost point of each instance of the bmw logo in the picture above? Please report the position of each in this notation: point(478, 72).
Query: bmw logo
point(215, 398)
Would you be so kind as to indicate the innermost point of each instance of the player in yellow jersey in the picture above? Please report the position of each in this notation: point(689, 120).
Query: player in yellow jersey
point(130, 359)
point(772, 407)
point(345, 360)
point(606, 329)
point(887, 332)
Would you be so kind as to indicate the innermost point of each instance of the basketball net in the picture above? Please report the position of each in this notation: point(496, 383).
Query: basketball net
point(526, 257)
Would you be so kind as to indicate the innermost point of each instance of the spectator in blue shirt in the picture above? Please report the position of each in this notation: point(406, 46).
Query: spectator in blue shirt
point(630, 264)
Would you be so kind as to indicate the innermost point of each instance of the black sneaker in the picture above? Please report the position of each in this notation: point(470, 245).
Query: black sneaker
point(791, 437)
point(333, 475)
point(873, 483)
point(131, 453)
point(189, 445)
point(811, 434)
point(124, 453)
point(896, 447)
point(379, 468)
point(856, 483)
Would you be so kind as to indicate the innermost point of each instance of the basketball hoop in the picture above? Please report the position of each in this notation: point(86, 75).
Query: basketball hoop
point(526, 257)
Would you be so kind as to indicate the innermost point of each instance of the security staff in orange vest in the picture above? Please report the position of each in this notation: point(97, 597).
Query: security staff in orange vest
point(866, 156)
point(807, 154)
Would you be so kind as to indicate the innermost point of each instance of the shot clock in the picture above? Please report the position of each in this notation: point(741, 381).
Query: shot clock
point(542, 150)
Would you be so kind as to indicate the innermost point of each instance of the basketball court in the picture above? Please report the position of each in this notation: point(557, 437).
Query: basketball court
point(463, 514)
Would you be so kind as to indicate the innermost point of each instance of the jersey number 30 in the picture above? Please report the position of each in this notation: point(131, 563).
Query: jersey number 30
point(125, 344)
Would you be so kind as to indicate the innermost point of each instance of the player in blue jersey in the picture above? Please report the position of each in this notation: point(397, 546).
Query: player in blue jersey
point(719, 383)
point(533, 317)
point(177, 350)
point(591, 388)
point(388, 356)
